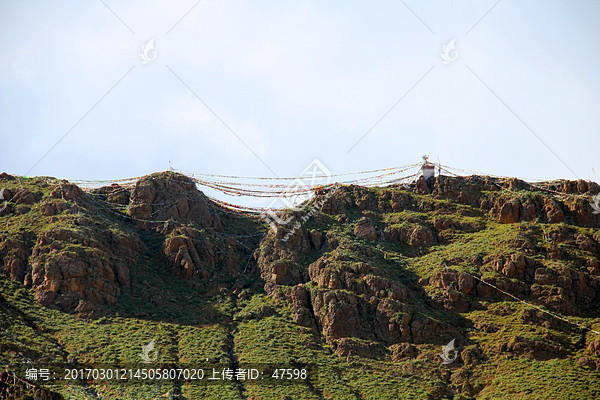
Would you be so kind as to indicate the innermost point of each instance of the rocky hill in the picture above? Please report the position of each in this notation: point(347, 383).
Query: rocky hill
point(363, 288)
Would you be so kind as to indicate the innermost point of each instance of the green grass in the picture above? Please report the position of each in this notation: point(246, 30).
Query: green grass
point(528, 379)
point(202, 323)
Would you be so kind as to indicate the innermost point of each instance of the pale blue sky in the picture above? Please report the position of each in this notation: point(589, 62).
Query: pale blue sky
point(296, 81)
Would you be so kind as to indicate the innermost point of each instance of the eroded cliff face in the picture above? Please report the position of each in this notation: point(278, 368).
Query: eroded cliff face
point(379, 269)
point(78, 250)
point(373, 272)
point(73, 262)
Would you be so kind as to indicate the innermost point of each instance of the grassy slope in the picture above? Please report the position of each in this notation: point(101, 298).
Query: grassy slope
point(191, 325)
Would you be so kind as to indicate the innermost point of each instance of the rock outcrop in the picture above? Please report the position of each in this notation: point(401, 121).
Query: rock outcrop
point(348, 295)
point(72, 264)
point(170, 196)
point(192, 253)
point(79, 273)
point(364, 229)
point(355, 271)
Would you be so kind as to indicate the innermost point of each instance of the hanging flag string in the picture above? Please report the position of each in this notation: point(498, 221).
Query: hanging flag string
point(535, 306)
point(303, 187)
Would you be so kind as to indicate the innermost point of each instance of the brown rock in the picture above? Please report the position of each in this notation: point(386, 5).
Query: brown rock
point(421, 237)
point(537, 349)
point(422, 187)
point(509, 213)
point(24, 196)
point(49, 208)
point(316, 238)
point(528, 211)
point(351, 347)
point(301, 306)
point(593, 347)
point(68, 192)
point(554, 213)
point(166, 195)
point(14, 254)
point(589, 362)
point(442, 224)
point(402, 351)
point(364, 229)
point(451, 279)
point(471, 356)
point(466, 283)
point(93, 273)
point(543, 276)
point(340, 314)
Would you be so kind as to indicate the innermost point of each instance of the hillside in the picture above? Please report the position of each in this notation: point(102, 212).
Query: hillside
point(362, 289)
